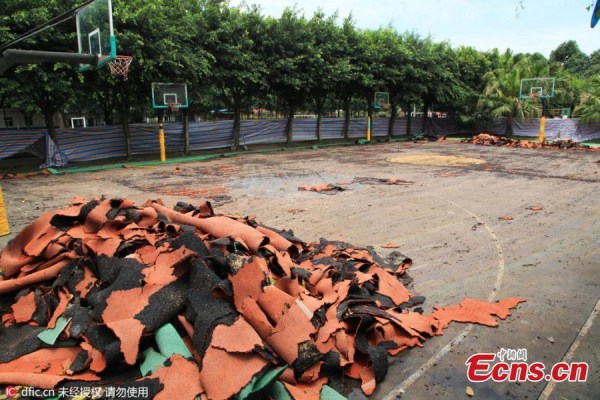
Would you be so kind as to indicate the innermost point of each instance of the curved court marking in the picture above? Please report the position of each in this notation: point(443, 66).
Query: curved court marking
point(401, 388)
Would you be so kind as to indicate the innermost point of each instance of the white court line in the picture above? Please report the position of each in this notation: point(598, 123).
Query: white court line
point(571, 352)
point(401, 388)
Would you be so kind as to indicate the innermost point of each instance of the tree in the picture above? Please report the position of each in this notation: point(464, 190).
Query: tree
point(345, 85)
point(472, 67)
point(442, 85)
point(47, 87)
point(289, 47)
point(594, 64)
point(409, 91)
point(588, 109)
point(501, 94)
point(164, 39)
point(571, 57)
point(239, 68)
point(368, 60)
point(395, 68)
point(331, 61)
point(383, 66)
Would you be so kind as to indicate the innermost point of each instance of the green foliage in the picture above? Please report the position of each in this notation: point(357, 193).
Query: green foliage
point(594, 63)
point(331, 57)
point(288, 46)
point(235, 57)
point(239, 67)
point(571, 57)
point(412, 87)
point(500, 97)
point(44, 88)
point(442, 75)
point(589, 107)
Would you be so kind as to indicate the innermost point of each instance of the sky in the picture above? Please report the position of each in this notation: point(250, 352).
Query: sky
point(483, 24)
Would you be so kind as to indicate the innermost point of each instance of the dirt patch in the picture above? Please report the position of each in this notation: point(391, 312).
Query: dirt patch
point(436, 160)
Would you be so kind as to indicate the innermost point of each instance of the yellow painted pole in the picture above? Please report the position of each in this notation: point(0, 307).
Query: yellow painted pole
point(4, 228)
point(368, 129)
point(542, 129)
point(161, 140)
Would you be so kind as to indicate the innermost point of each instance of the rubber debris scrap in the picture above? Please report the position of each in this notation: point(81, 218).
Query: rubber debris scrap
point(382, 181)
point(192, 304)
point(43, 172)
point(501, 141)
point(325, 188)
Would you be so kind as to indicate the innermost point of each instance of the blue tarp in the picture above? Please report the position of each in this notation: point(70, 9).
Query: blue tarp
point(17, 141)
point(89, 144)
point(104, 142)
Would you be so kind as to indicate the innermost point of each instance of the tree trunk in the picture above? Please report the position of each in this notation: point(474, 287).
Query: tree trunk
point(107, 105)
point(392, 121)
point(424, 122)
point(236, 123)
point(108, 117)
point(186, 131)
point(289, 126)
point(409, 122)
point(319, 103)
point(49, 120)
point(28, 116)
point(509, 126)
point(347, 118)
point(125, 122)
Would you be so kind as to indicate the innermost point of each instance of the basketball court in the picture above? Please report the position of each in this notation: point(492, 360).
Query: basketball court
point(452, 222)
point(447, 222)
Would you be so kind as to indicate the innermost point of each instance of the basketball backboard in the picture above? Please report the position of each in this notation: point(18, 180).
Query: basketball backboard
point(164, 94)
point(381, 99)
point(537, 88)
point(95, 32)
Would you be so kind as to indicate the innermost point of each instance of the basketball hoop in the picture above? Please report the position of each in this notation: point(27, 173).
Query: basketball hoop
point(120, 66)
point(534, 96)
point(174, 107)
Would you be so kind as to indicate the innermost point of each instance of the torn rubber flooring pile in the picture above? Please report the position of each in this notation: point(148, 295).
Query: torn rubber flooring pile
point(180, 303)
point(491, 140)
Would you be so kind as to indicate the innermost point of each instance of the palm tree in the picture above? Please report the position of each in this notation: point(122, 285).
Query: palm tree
point(588, 109)
point(501, 94)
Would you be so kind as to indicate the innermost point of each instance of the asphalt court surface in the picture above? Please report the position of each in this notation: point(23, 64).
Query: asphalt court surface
point(447, 222)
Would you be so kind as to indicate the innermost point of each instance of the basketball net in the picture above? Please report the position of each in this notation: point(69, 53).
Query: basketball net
point(120, 66)
point(174, 107)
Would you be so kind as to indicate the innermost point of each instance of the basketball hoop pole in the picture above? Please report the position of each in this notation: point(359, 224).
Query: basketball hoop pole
point(167, 95)
point(161, 136)
point(4, 228)
point(11, 57)
point(542, 129)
